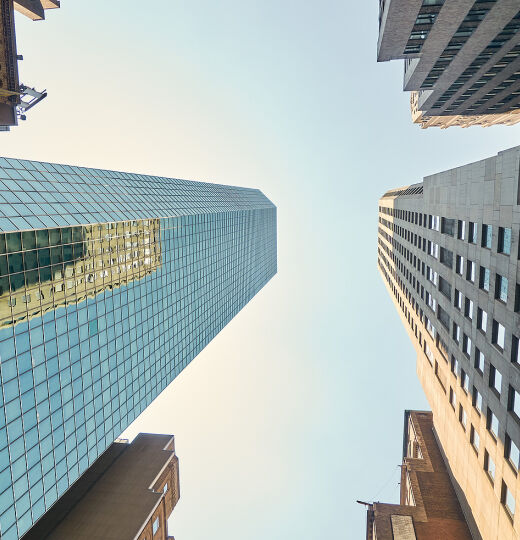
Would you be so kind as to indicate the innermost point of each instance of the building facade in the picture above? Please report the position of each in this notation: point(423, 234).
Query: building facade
point(461, 58)
point(128, 493)
point(110, 284)
point(448, 254)
point(429, 508)
point(35, 9)
point(9, 83)
point(15, 98)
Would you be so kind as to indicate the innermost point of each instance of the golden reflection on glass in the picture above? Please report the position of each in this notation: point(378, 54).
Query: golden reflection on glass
point(45, 269)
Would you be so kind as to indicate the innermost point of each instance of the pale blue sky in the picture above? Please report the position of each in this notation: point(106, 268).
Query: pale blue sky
point(295, 410)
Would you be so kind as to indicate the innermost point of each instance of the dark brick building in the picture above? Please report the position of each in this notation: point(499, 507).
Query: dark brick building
point(429, 508)
point(127, 494)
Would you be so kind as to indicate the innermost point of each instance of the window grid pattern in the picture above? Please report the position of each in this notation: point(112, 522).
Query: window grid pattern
point(406, 262)
point(424, 23)
point(475, 15)
point(162, 266)
point(500, 40)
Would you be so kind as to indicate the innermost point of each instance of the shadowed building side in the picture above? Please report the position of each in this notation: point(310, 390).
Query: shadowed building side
point(461, 58)
point(429, 508)
point(127, 494)
point(35, 9)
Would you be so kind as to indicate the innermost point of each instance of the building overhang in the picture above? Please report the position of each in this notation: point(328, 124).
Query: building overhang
point(35, 9)
point(397, 19)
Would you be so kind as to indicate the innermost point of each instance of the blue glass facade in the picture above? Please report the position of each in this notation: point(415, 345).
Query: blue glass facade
point(110, 284)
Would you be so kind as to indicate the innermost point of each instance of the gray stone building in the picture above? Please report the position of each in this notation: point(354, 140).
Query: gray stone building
point(461, 58)
point(448, 253)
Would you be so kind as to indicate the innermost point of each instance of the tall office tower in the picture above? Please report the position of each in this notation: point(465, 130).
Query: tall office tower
point(448, 252)
point(128, 493)
point(110, 284)
point(429, 508)
point(461, 58)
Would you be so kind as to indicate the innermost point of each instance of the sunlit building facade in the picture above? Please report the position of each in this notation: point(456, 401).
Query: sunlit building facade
point(110, 284)
point(448, 254)
point(461, 58)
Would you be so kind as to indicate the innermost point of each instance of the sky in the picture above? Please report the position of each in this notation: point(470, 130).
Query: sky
point(295, 410)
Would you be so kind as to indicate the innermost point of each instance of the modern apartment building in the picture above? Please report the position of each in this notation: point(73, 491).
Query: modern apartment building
point(448, 253)
point(461, 58)
point(128, 493)
point(429, 508)
point(110, 284)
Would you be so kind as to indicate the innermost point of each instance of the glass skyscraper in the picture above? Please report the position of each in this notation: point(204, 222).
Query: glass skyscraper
point(110, 284)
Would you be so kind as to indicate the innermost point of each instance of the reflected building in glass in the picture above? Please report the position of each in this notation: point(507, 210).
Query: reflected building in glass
point(110, 284)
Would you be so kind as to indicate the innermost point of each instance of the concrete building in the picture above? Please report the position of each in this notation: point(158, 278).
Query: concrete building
point(128, 493)
point(35, 9)
point(429, 508)
point(448, 253)
point(16, 98)
point(110, 284)
point(461, 58)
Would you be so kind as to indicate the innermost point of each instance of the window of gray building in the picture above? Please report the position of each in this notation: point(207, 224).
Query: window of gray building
point(430, 301)
point(454, 365)
point(487, 236)
point(472, 232)
point(479, 360)
point(515, 351)
point(464, 381)
point(458, 299)
point(468, 308)
point(459, 265)
point(495, 379)
point(512, 453)
point(445, 287)
point(514, 402)
point(446, 257)
point(470, 271)
point(484, 278)
point(443, 317)
point(501, 286)
point(456, 332)
point(461, 230)
point(448, 226)
point(504, 240)
point(492, 423)
point(482, 320)
point(477, 400)
point(466, 345)
point(498, 337)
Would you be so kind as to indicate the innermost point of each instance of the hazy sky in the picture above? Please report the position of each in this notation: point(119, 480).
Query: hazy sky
point(296, 409)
